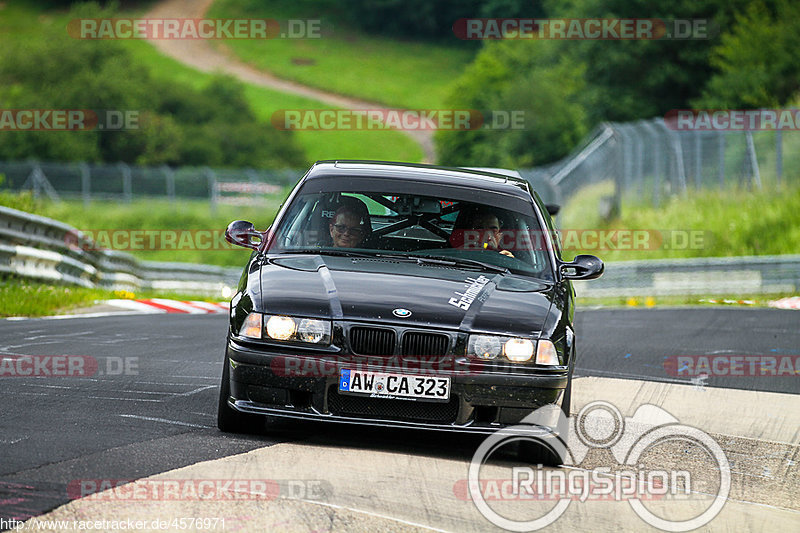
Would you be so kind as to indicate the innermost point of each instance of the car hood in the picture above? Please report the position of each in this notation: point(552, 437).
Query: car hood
point(370, 290)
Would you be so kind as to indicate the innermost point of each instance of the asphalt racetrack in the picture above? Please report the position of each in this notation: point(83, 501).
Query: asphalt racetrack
point(150, 408)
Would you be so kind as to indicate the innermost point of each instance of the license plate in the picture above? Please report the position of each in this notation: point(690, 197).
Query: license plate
point(400, 386)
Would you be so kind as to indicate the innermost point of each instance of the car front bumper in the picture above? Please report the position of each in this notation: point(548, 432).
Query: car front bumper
point(480, 402)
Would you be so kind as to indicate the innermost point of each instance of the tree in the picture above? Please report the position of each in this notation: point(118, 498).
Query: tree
point(757, 61)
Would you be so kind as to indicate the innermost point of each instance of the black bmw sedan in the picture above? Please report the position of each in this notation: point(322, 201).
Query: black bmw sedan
point(404, 295)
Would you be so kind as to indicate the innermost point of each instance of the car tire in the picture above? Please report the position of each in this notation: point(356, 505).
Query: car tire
point(538, 453)
point(230, 420)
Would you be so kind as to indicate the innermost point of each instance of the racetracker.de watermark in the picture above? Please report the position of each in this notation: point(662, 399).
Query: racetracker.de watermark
point(732, 119)
point(70, 366)
point(585, 239)
point(147, 239)
point(68, 120)
point(191, 28)
point(732, 365)
point(419, 365)
point(397, 119)
point(616, 29)
point(197, 489)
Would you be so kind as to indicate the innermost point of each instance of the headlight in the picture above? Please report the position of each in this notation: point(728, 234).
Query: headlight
point(314, 331)
point(484, 346)
point(515, 349)
point(518, 350)
point(546, 353)
point(281, 328)
point(287, 328)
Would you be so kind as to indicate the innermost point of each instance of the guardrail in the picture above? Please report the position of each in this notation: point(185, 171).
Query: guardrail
point(40, 248)
point(707, 276)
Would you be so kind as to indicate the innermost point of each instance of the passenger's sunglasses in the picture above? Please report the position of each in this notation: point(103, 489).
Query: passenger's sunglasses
point(355, 231)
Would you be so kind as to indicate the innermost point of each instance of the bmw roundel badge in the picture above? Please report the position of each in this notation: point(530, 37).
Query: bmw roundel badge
point(401, 313)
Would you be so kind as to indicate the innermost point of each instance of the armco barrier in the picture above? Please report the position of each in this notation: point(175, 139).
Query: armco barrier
point(40, 248)
point(710, 276)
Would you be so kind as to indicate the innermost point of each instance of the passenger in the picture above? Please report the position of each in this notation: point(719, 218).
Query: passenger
point(349, 227)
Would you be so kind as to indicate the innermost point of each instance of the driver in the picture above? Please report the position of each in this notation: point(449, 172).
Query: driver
point(349, 226)
point(481, 231)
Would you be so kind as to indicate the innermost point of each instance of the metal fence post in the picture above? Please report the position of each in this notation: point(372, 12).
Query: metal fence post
point(38, 182)
point(657, 156)
point(698, 159)
point(721, 163)
point(681, 170)
point(619, 175)
point(86, 184)
point(169, 176)
point(127, 186)
point(639, 163)
point(751, 152)
point(212, 187)
point(778, 156)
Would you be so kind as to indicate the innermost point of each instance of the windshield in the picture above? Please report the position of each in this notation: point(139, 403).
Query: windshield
point(417, 227)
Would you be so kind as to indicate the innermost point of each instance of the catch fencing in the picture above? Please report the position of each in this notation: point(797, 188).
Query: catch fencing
point(123, 182)
point(647, 161)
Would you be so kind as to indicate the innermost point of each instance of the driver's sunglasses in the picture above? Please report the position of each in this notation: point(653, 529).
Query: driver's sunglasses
point(355, 231)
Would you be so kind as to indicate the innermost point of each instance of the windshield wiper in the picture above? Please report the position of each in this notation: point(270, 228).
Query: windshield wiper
point(328, 251)
point(446, 261)
point(410, 258)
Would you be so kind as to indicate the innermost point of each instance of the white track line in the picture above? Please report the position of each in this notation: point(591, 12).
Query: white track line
point(165, 421)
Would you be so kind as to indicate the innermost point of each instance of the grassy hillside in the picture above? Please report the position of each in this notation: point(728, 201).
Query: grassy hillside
point(382, 145)
point(25, 22)
point(394, 72)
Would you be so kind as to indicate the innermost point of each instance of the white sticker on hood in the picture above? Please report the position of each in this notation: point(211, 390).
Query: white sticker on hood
point(473, 288)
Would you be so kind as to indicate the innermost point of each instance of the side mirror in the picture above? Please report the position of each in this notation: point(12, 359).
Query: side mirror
point(553, 209)
point(242, 233)
point(583, 267)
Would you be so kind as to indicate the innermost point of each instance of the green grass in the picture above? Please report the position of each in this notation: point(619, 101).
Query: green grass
point(734, 222)
point(22, 21)
point(21, 297)
point(344, 60)
point(713, 300)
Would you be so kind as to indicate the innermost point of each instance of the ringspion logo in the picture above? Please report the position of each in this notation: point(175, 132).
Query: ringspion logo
point(600, 425)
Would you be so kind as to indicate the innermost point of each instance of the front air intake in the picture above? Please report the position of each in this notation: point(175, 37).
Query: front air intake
point(373, 341)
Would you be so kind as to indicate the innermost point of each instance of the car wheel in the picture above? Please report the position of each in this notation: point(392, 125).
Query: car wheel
point(230, 420)
point(538, 453)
